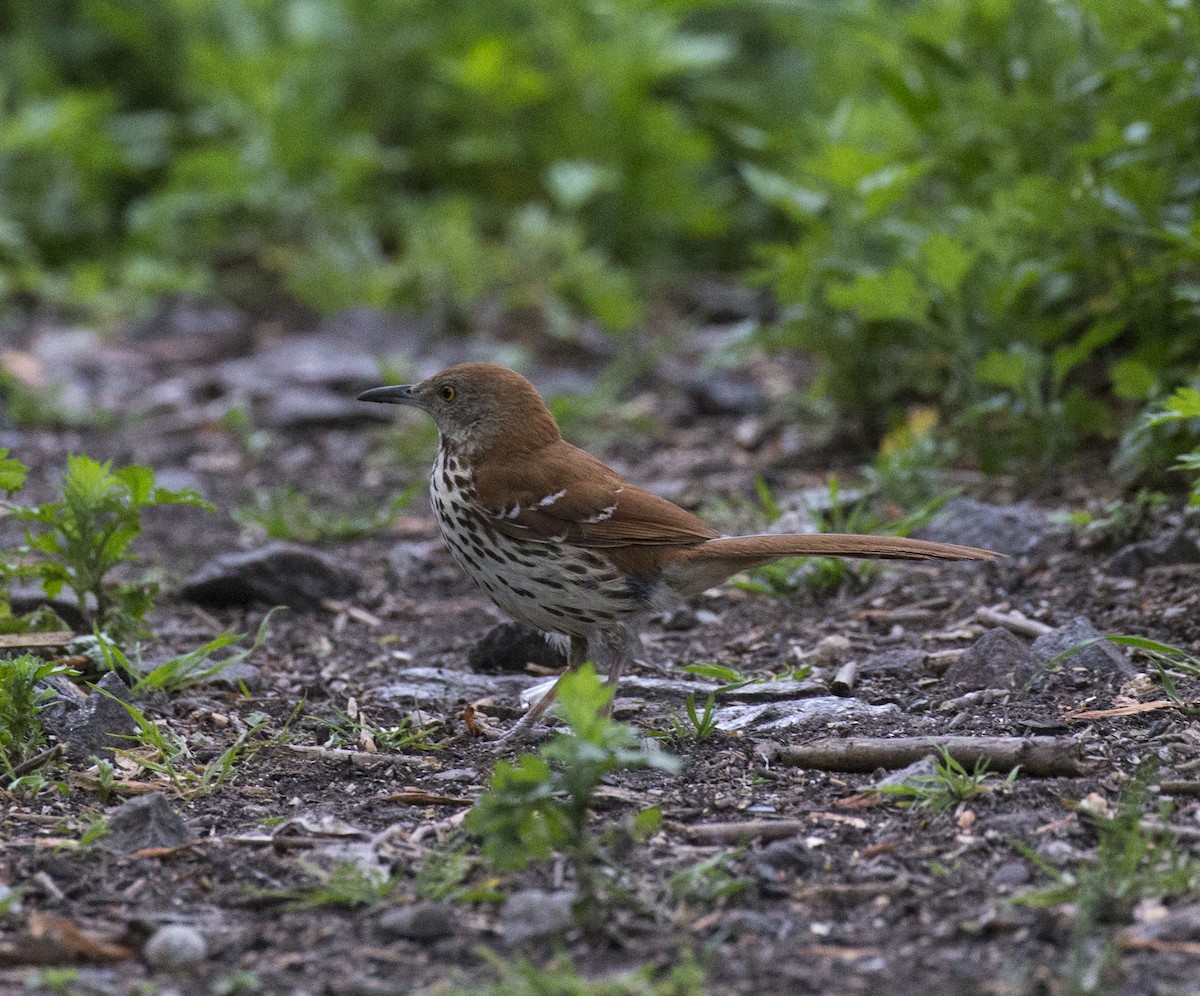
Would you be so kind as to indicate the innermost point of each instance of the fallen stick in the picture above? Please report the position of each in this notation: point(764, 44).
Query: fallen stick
point(23, 641)
point(1047, 757)
point(845, 679)
point(1016, 622)
point(744, 831)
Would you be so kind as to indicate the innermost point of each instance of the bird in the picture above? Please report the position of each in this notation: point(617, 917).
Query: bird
point(561, 542)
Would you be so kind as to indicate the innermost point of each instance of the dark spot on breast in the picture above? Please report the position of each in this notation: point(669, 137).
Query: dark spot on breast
point(446, 479)
point(639, 589)
point(574, 568)
point(462, 482)
point(549, 583)
point(521, 591)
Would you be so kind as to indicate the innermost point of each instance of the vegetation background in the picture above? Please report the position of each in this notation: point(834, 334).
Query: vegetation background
point(987, 206)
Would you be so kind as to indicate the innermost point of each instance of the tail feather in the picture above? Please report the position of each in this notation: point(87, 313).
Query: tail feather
point(709, 563)
point(837, 545)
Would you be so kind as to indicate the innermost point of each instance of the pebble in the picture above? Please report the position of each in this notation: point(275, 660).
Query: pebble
point(175, 946)
point(537, 913)
point(418, 922)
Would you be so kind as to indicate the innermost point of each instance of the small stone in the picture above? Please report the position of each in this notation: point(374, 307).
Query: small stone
point(833, 649)
point(537, 913)
point(1010, 874)
point(903, 660)
point(145, 821)
point(1057, 853)
point(436, 686)
point(1017, 530)
point(175, 946)
point(92, 725)
point(510, 646)
point(418, 922)
point(276, 574)
point(820, 709)
point(998, 659)
point(1100, 657)
point(1178, 547)
point(723, 393)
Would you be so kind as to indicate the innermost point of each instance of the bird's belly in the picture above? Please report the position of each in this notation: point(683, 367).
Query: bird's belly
point(553, 587)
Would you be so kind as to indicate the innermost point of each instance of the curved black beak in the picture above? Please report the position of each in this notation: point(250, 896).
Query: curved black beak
point(399, 395)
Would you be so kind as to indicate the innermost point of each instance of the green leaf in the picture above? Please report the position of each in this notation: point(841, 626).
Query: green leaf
point(796, 202)
point(1010, 370)
point(12, 472)
point(892, 295)
point(581, 695)
point(947, 261)
point(1132, 380)
point(717, 672)
point(1183, 404)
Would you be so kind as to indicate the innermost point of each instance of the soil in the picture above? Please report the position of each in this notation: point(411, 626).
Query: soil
point(871, 896)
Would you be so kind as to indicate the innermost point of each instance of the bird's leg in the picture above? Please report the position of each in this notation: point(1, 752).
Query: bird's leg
point(617, 642)
point(520, 731)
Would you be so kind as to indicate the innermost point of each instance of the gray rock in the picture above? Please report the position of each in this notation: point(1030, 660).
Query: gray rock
point(509, 646)
point(318, 360)
point(998, 659)
point(1011, 874)
point(145, 821)
point(430, 686)
point(1058, 853)
point(277, 574)
point(821, 709)
point(1101, 657)
point(1182, 923)
point(786, 857)
point(902, 660)
point(182, 330)
point(92, 725)
point(175, 946)
point(1175, 548)
point(1013, 529)
point(724, 393)
point(317, 408)
point(418, 922)
point(536, 913)
point(381, 333)
point(775, 691)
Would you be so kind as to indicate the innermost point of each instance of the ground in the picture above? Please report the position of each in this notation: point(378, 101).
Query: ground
point(861, 894)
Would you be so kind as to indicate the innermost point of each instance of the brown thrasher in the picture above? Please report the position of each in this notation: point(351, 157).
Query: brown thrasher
point(561, 542)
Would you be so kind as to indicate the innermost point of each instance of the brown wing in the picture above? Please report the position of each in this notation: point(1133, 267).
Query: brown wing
point(568, 496)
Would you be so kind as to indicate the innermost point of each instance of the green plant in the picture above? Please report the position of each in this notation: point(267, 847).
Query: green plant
point(21, 700)
point(289, 515)
point(539, 804)
point(346, 885)
point(408, 734)
point(78, 541)
point(183, 670)
point(165, 753)
point(1133, 861)
point(519, 977)
point(61, 981)
point(95, 829)
point(1183, 407)
point(1115, 522)
point(950, 784)
point(708, 880)
point(698, 725)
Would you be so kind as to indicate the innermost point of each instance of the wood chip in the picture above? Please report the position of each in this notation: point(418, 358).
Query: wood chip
point(1126, 710)
point(419, 797)
point(23, 641)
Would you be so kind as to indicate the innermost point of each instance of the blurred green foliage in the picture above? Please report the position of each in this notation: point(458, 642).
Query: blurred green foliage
point(988, 204)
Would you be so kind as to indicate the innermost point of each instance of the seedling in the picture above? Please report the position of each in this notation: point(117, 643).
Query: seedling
point(694, 725)
point(1170, 663)
point(950, 784)
point(21, 701)
point(288, 514)
point(539, 805)
point(78, 541)
point(1183, 407)
point(184, 670)
point(356, 731)
point(708, 880)
point(346, 885)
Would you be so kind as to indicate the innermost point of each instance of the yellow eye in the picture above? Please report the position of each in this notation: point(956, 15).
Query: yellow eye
point(447, 392)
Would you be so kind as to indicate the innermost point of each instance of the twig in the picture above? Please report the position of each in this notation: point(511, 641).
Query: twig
point(1015, 621)
point(1047, 757)
point(21, 641)
point(1179, 788)
point(845, 679)
point(736, 833)
point(35, 762)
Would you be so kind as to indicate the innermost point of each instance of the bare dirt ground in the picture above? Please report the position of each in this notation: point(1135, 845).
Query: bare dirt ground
point(849, 892)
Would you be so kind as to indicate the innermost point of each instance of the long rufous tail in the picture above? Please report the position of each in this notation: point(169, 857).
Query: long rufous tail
point(708, 564)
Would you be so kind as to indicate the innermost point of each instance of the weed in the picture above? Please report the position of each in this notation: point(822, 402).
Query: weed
point(1183, 408)
point(729, 677)
point(78, 541)
point(1112, 523)
point(539, 805)
point(355, 730)
point(105, 777)
point(950, 784)
point(21, 700)
point(694, 725)
point(1133, 861)
point(287, 514)
point(519, 977)
point(708, 880)
point(96, 829)
point(60, 981)
point(346, 885)
point(184, 670)
point(1170, 663)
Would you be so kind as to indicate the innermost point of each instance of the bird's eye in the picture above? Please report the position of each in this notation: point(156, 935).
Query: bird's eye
point(447, 392)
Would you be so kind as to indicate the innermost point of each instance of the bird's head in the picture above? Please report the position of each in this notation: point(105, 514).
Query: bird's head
point(478, 407)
